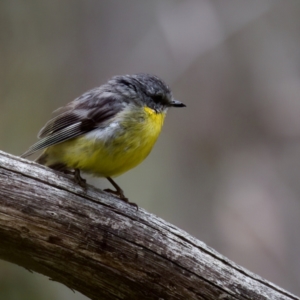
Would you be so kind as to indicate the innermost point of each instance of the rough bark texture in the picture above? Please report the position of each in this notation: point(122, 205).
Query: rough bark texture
point(104, 248)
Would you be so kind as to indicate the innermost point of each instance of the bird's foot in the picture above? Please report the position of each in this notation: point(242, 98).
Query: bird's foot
point(122, 197)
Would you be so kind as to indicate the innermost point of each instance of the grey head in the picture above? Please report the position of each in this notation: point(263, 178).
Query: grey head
point(144, 90)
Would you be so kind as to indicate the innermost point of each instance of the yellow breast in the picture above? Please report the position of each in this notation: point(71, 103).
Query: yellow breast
point(128, 147)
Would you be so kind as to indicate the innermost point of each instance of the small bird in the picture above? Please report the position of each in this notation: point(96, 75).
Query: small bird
point(108, 130)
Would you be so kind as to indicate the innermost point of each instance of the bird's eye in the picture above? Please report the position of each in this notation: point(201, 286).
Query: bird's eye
point(158, 98)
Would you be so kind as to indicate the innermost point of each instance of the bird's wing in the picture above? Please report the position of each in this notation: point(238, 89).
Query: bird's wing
point(80, 116)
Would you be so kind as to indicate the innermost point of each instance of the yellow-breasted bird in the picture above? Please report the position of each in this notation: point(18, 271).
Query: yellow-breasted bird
point(108, 130)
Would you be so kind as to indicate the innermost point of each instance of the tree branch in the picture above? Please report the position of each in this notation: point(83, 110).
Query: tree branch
point(104, 248)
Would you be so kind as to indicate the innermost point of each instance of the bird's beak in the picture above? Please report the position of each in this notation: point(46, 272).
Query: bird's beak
point(176, 103)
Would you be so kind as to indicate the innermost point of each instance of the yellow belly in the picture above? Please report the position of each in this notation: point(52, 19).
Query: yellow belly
point(128, 147)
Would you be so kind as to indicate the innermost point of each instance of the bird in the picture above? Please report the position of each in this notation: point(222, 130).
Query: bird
point(106, 131)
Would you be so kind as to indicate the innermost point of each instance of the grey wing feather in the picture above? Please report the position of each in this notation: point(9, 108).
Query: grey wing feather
point(78, 117)
point(91, 104)
point(58, 137)
point(58, 123)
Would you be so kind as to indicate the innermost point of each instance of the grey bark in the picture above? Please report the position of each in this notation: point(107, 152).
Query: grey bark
point(106, 249)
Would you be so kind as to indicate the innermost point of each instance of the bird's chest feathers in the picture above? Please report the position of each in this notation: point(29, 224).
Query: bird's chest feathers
point(140, 131)
point(131, 144)
point(152, 123)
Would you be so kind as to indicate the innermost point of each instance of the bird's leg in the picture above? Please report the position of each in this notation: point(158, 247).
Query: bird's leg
point(78, 179)
point(119, 192)
point(63, 168)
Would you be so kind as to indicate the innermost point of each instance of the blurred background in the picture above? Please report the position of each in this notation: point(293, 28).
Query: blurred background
point(226, 169)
